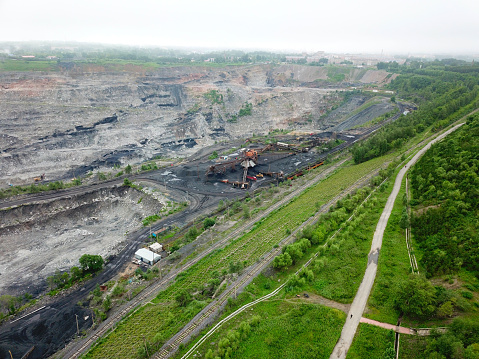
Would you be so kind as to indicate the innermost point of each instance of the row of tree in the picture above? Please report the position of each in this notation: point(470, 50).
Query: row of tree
point(443, 96)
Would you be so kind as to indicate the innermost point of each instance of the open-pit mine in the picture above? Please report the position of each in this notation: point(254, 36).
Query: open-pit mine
point(191, 137)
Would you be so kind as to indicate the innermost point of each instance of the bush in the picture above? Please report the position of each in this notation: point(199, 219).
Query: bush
point(118, 290)
point(208, 222)
point(213, 156)
point(183, 298)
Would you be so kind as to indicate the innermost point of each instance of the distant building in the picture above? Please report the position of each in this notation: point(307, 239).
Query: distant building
point(147, 256)
point(314, 59)
point(294, 58)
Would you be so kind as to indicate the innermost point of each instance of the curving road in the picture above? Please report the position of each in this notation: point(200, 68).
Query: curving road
point(359, 303)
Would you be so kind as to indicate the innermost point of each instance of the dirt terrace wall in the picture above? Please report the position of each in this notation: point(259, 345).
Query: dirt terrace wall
point(38, 239)
point(67, 124)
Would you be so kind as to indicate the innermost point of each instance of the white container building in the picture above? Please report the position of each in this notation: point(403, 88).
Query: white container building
point(147, 256)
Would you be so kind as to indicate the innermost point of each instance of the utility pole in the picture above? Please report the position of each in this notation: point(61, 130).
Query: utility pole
point(78, 329)
point(146, 348)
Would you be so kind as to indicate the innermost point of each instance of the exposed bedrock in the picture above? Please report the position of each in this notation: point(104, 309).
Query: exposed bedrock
point(66, 124)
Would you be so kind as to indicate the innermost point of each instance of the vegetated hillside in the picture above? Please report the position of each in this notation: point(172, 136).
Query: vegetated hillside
point(444, 222)
point(81, 118)
point(445, 188)
point(445, 226)
point(443, 95)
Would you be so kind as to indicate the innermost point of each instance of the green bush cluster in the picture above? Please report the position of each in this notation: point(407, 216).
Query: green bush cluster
point(228, 344)
point(89, 264)
point(213, 156)
point(245, 110)
point(214, 96)
point(149, 167)
point(460, 341)
point(36, 188)
point(291, 253)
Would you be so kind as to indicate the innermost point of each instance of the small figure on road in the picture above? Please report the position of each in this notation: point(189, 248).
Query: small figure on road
point(351, 316)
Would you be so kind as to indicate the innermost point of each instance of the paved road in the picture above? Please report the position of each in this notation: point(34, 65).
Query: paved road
point(359, 303)
point(396, 328)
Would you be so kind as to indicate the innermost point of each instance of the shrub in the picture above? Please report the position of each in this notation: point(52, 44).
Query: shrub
point(208, 222)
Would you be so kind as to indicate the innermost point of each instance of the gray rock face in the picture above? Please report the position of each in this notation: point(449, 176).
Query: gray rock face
point(66, 124)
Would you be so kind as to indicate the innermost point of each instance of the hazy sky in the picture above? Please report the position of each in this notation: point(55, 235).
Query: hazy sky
point(408, 26)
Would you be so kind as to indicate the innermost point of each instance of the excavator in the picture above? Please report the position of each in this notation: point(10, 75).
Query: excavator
point(39, 179)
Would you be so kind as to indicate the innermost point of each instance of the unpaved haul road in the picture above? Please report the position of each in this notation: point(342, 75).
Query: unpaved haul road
point(359, 303)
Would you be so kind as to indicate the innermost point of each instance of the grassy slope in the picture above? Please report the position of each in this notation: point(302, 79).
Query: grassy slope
point(347, 256)
point(299, 331)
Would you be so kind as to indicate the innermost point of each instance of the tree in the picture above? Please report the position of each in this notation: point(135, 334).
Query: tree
point(107, 303)
point(9, 303)
point(192, 234)
point(404, 221)
point(472, 351)
point(282, 261)
point(91, 263)
point(183, 298)
point(75, 273)
point(213, 155)
point(246, 212)
point(128, 169)
point(445, 310)
point(235, 267)
point(208, 222)
point(416, 296)
point(389, 353)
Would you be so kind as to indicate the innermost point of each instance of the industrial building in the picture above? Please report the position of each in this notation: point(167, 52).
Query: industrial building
point(147, 256)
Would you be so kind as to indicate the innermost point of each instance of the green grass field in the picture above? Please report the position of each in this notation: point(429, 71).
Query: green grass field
point(28, 65)
point(393, 266)
point(344, 262)
point(370, 342)
point(286, 329)
point(100, 65)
